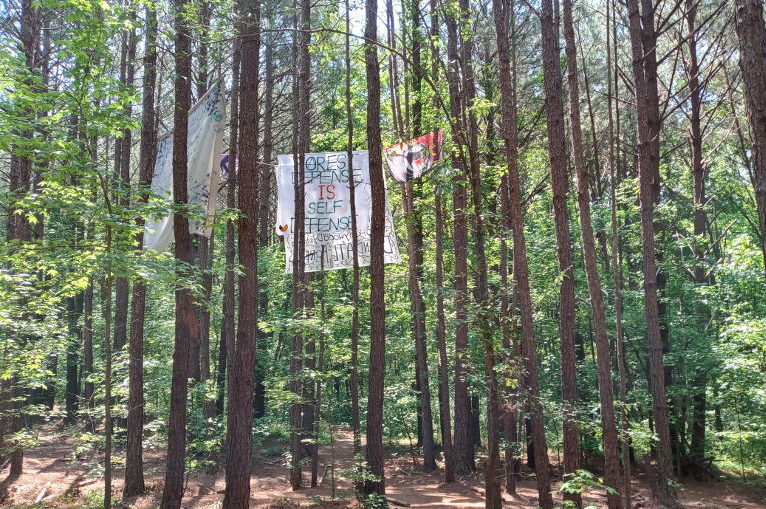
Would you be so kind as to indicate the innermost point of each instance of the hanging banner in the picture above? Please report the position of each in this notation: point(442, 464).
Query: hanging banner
point(412, 159)
point(207, 120)
point(327, 231)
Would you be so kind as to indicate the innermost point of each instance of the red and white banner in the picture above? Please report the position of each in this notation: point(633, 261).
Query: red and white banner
point(414, 158)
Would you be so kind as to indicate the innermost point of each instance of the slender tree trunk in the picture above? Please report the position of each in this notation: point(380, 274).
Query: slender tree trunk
point(463, 443)
point(203, 65)
point(560, 187)
point(441, 325)
point(752, 61)
point(418, 328)
point(134, 463)
point(520, 269)
point(228, 336)
point(308, 430)
point(376, 484)
point(259, 403)
point(74, 312)
point(481, 291)
point(505, 17)
point(302, 144)
point(699, 172)
point(441, 338)
point(354, 383)
point(107, 308)
point(240, 410)
point(207, 251)
point(415, 245)
point(122, 285)
point(620, 336)
point(185, 319)
point(19, 228)
point(606, 397)
point(493, 499)
point(87, 346)
point(199, 354)
point(648, 183)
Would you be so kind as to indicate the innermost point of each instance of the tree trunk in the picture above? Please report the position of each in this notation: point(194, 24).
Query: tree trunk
point(441, 338)
point(418, 327)
point(463, 443)
point(752, 50)
point(441, 326)
point(354, 382)
point(308, 436)
point(606, 397)
point(74, 311)
point(228, 335)
point(503, 18)
point(699, 172)
point(87, 347)
point(18, 228)
point(107, 309)
point(122, 162)
point(207, 252)
point(185, 320)
point(648, 185)
point(259, 402)
point(415, 250)
point(302, 143)
point(560, 187)
point(614, 158)
point(376, 484)
point(134, 463)
point(520, 268)
point(240, 410)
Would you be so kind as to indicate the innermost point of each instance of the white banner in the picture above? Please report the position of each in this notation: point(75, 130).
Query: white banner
point(207, 121)
point(328, 211)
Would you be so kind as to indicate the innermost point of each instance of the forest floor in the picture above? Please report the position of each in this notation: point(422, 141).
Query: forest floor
point(53, 479)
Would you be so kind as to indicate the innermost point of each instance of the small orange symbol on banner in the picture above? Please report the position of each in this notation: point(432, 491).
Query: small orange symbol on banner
point(283, 228)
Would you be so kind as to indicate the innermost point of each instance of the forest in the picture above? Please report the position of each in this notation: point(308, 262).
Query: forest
point(395, 253)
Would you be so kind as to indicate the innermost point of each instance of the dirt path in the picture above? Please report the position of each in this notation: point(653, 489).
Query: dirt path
point(60, 482)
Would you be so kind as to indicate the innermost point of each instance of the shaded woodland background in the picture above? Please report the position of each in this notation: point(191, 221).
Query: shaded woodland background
point(585, 274)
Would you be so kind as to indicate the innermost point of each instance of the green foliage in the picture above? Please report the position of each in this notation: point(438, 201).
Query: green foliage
point(580, 483)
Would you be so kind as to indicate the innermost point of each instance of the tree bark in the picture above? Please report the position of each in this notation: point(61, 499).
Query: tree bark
point(441, 326)
point(185, 319)
point(74, 311)
point(107, 310)
point(415, 245)
point(560, 187)
point(87, 346)
point(418, 328)
point(18, 229)
point(354, 382)
point(752, 61)
point(259, 403)
point(646, 104)
point(463, 443)
point(228, 335)
point(699, 173)
point(240, 410)
point(302, 135)
point(614, 158)
point(122, 162)
point(520, 269)
point(606, 396)
point(376, 484)
point(134, 463)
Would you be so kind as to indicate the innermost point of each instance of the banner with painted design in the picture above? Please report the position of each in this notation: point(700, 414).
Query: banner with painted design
point(414, 158)
point(327, 231)
point(207, 120)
